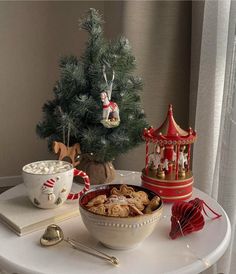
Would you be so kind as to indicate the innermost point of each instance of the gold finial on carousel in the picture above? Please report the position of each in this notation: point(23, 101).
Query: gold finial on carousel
point(170, 110)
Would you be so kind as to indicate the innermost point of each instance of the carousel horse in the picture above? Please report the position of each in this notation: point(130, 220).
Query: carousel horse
point(109, 107)
point(155, 159)
point(166, 164)
point(70, 152)
point(183, 159)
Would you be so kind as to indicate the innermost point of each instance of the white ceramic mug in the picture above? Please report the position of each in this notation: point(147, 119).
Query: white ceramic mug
point(49, 187)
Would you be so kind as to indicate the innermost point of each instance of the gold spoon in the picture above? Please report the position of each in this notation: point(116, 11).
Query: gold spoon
point(54, 235)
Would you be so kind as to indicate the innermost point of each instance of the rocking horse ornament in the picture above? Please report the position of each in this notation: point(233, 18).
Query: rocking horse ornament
point(110, 114)
point(70, 152)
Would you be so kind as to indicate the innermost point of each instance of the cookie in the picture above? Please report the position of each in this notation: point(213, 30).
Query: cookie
point(153, 205)
point(126, 190)
point(134, 211)
point(100, 199)
point(137, 202)
point(118, 210)
point(142, 196)
point(117, 199)
point(123, 202)
point(115, 191)
point(99, 209)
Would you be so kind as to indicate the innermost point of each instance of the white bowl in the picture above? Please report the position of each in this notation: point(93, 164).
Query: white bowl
point(118, 232)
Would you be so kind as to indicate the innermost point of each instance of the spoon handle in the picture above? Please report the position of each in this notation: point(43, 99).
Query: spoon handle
point(90, 250)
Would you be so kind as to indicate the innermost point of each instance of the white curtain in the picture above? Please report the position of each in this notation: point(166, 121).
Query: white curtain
point(214, 155)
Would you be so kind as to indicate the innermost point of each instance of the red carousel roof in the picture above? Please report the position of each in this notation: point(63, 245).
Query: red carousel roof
point(170, 132)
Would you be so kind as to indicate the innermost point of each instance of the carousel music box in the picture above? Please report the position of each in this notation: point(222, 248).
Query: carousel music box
point(167, 162)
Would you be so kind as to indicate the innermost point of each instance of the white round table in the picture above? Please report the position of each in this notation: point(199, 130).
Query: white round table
point(157, 254)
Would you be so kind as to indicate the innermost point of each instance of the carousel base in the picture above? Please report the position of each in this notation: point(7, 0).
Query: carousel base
point(170, 189)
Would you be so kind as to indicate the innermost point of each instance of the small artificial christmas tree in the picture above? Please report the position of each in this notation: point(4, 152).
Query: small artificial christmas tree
point(77, 113)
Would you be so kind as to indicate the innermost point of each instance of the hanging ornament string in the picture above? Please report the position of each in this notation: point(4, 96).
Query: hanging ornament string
point(200, 204)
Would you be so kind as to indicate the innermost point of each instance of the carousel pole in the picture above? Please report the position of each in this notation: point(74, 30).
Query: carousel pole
point(177, 163)
point(189, 155)
point(146, 158)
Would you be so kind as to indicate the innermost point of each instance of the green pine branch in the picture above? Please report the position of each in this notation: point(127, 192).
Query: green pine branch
point(74, 115)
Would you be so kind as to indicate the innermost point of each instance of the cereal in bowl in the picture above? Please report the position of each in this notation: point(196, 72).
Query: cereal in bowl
point(123, 202)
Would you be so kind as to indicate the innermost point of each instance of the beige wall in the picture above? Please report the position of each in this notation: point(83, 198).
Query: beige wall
point(160, 32)
point(34, 35)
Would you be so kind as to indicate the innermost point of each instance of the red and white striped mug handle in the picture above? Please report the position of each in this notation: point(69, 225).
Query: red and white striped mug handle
point(75, 196)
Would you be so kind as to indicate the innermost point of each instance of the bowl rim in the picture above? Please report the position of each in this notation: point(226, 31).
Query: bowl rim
point(94, 188)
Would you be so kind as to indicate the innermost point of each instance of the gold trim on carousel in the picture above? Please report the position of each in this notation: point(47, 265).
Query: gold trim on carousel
point(179, 142)
point(176, 197)
point(169, 187)
point(168, 181)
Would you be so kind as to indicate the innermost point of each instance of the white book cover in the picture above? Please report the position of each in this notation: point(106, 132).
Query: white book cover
point(20, 215)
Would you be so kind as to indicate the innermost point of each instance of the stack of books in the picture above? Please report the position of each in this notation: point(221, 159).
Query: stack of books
point(22, 217)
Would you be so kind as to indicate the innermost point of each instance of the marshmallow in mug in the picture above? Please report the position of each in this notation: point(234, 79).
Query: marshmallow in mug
point(47, 167)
